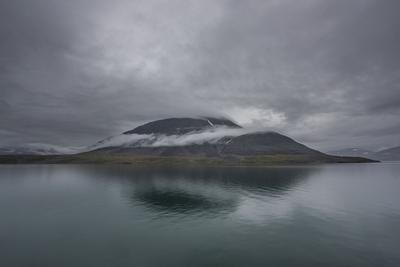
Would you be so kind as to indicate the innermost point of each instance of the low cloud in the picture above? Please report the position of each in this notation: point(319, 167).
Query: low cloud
point(40, 149)
point(211, 136)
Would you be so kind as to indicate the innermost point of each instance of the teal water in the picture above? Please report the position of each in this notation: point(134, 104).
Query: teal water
point(92, 215)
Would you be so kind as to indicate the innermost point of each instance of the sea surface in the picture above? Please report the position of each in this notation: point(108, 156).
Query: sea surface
point(97, 215)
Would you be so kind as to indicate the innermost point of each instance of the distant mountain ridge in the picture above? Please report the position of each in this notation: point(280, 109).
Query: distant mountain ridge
point(390, 154)
point(352, 152)
point(37, 149)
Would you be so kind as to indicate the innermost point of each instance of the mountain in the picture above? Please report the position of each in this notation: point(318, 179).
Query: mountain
point(266, 143)
point(176, 126)
point(37, 149)
point(186, 141)
point(352, 152)
point(254, 144)
point(390, 154)
point(209, 138)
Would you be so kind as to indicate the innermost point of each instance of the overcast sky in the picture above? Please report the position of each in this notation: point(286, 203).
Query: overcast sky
point(324, 72)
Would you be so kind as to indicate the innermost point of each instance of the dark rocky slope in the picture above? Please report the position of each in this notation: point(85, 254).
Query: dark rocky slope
point(176, 126)
point(257, 145)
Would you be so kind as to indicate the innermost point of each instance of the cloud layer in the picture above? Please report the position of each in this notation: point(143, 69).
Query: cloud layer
point(209, 135)
point(324, 72)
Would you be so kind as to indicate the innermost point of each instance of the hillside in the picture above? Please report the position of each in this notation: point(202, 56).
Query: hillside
point(210, 138)
point(204, 140)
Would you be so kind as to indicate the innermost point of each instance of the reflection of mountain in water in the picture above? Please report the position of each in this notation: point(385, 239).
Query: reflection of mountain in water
point(183, 202)
point(201, 190)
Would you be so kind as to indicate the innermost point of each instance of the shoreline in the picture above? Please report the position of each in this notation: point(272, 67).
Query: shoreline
point(102, 159)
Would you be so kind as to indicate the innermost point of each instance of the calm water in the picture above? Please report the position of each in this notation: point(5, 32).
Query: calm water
point(68, 215)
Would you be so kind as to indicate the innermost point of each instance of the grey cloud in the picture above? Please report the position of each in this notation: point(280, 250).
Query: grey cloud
point(74, 72)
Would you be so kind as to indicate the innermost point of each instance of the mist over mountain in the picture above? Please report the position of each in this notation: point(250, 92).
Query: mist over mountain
point(38, 149)
point(204, 137)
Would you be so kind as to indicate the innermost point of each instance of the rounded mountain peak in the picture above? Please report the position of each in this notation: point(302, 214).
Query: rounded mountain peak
point(178, 126)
